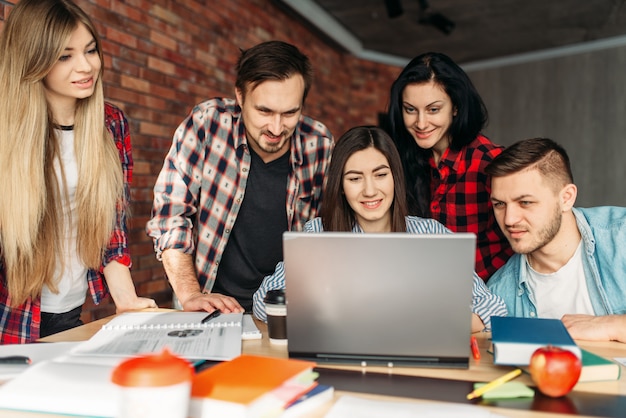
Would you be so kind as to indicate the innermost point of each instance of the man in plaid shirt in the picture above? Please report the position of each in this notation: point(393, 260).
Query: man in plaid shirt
point(239, 174)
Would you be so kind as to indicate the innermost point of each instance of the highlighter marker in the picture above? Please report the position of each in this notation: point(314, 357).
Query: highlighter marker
point(15, 360)
point(475, 349)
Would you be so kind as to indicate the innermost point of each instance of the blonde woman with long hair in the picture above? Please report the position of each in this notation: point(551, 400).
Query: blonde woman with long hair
point(65, 164)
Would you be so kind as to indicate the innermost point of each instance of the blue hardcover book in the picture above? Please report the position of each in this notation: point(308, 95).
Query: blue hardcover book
point(514, 340)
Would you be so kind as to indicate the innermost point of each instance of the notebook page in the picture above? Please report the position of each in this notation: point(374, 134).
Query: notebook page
point(183, 333)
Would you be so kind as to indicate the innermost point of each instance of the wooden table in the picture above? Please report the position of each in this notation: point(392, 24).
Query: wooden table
point(479, 370)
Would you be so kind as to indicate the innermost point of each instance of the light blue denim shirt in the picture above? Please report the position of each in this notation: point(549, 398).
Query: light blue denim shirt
point(484, 303)
point(603, 231)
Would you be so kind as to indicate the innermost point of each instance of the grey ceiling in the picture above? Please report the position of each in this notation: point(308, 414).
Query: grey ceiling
point(484, 29)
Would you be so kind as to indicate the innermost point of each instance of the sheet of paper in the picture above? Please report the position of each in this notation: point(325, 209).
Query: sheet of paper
point(64, 388)
point(621, 360)
point(183, 333)
point(352, 406)
point(37, 352)
point(249, 329)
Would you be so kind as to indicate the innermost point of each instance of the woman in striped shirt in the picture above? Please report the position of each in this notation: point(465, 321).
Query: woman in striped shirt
point(365, 192)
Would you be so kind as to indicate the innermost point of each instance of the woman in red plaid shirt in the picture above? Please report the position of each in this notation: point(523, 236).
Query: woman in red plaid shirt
point(65, 166)
point(435, 118)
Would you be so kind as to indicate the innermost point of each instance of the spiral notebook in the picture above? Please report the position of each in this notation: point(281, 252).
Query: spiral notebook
point(183, 333)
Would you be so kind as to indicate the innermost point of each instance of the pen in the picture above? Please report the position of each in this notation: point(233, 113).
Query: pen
point(15, 360)
point(494, 384)
point(210, 316)
point(475, 350)
point(201, 365)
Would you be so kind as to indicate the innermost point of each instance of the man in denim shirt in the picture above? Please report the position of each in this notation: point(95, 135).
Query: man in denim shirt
point(570, 263)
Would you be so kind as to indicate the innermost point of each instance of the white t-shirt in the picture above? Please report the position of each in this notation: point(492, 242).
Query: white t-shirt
point(562, 292)
point(73, 273)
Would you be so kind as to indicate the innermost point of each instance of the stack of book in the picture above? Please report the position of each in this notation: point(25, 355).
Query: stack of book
point(597, 368)
point(515, 340)
point(256, 386)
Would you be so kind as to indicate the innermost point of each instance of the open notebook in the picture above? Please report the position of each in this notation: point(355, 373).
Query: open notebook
point(390, 299)
point(183, 333)
point(79, 383)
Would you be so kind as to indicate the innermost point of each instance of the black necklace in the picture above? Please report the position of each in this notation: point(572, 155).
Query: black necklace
point(66, 127)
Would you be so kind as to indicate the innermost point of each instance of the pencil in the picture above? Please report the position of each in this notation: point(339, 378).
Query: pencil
point(494, 384)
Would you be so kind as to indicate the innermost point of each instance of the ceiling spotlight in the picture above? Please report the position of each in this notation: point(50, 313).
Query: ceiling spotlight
point(436, 19)
point(394, 8)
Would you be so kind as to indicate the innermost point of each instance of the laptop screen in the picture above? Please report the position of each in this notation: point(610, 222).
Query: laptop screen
point(391, 299)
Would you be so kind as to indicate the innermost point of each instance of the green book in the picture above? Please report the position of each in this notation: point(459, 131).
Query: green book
point(597, 368)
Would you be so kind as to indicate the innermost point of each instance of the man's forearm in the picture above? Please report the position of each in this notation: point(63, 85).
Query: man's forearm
point(617, 328)
point(596, 328)
point(181, 273)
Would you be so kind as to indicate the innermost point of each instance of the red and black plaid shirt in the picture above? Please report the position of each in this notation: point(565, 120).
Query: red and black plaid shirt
point(21, 325)
point(198, 194)
point(460, 200)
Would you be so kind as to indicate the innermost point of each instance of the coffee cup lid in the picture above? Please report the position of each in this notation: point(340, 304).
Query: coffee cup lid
point(275, 296)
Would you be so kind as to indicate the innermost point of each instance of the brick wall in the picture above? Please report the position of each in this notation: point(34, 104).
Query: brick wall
point(164, 56)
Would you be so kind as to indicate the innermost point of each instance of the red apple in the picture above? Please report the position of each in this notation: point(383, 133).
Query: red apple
point(555, 371)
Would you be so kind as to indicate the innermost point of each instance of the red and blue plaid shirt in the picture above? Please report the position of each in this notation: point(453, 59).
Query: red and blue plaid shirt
point(460, 199)
point(21, 325)
point(202, 184)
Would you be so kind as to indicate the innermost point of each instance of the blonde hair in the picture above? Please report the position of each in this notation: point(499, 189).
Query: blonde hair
point(31, 231)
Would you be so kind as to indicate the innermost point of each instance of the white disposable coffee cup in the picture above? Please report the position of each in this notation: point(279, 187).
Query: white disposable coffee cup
point(276, 311)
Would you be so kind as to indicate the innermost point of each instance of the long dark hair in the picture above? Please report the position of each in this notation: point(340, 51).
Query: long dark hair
point(336, 213)
point(471, 117)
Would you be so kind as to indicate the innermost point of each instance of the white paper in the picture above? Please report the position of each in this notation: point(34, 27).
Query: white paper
point(250, 330)
point(37, 352)
point(621, 360)
point(65, 388)
point(352, 406)
point(182, 333)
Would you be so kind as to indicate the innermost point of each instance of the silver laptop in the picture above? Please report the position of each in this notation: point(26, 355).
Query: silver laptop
point(389, 299)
